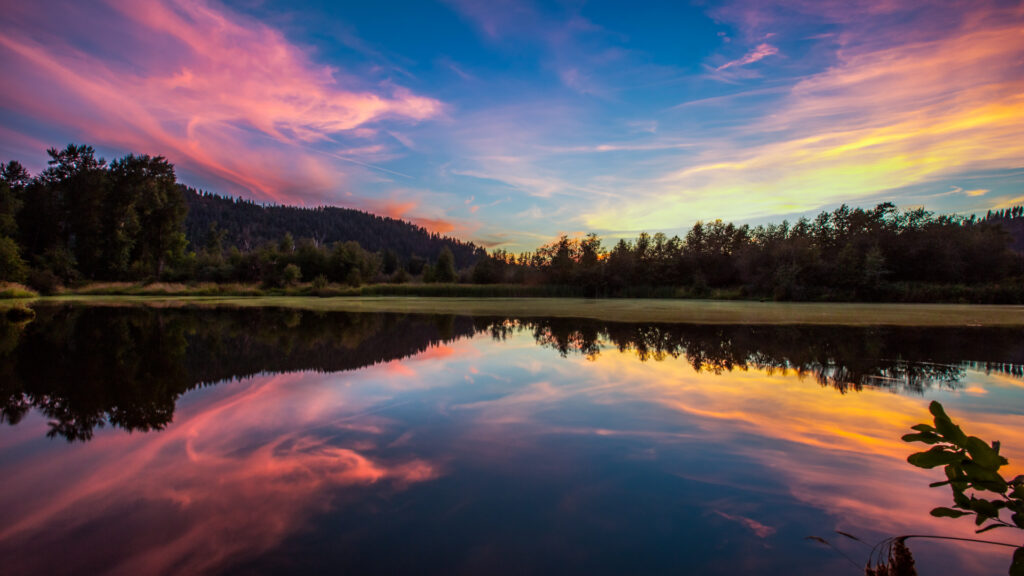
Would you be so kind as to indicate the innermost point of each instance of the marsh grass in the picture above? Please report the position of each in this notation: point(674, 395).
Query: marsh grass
point(323, 289)
point(166, 289)
point(611, 310)
point(10, 290)
point(907, 293)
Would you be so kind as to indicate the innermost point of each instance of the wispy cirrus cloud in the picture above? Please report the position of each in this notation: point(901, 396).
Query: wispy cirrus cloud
point(759, 53)
point(882, 117)
point(225, 97)
point(571, 116)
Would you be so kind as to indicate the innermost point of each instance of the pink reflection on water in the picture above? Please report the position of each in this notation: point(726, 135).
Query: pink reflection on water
point(233, 477)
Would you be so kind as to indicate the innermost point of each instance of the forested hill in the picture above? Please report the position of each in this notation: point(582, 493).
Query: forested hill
point(249, 225)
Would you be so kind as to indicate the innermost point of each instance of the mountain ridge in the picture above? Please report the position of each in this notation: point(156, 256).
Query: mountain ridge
point(247, 225)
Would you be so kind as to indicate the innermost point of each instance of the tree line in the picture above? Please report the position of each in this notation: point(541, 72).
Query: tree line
point(848, 253)
point(82, 219)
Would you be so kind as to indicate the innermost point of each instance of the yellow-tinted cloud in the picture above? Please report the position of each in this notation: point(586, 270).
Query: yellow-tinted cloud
point(878, 120)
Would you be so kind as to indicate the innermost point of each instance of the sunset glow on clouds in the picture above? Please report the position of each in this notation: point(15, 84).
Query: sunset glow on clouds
point(507, 123)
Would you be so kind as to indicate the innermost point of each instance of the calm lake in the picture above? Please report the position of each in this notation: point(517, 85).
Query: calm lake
point(143, 440)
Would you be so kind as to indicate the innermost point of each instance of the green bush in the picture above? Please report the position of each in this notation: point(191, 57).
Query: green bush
point(291, 275)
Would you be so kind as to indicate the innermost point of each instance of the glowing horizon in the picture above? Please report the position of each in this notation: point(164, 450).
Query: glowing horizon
point(509, 123)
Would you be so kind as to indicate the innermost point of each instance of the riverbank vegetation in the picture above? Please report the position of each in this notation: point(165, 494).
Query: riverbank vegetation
point(85, 226)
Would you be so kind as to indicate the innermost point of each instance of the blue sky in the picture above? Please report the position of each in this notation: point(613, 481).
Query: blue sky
point(508, 123)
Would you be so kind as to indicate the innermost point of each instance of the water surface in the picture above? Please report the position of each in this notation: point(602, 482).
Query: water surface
point(142, 440)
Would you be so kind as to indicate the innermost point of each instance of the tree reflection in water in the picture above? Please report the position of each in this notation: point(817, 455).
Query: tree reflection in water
point(87, 367)
point(907, 360)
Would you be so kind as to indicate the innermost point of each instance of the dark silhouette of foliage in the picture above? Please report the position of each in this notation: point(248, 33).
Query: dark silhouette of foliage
point(971, 466)
point(248, 225)
point(1012, 220)
point(82, 219)
point(847, 254)
point(444, 271)
point(972, 469)
point(909, 360)
point(85, 368)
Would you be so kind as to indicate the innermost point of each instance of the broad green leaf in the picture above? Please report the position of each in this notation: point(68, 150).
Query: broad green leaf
point(936, 409)
point(1018, 489)
point(983, 454)
point(951, 432)
point(926, 437)
point(943, 512)
point(984, 478)
point(937, 456)
point(922, 428)
point(957, 479)
point(984, 509)
point(945, 426)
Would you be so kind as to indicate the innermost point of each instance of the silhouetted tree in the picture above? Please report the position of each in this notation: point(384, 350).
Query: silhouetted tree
point(444, 271)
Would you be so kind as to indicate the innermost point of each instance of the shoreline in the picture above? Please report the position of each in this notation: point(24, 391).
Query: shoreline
point(646, 310)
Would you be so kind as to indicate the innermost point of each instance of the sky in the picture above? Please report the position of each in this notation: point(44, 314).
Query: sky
point(509, 122)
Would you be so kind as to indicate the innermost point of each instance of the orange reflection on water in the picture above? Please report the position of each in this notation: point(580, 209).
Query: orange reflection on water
point(841, 453)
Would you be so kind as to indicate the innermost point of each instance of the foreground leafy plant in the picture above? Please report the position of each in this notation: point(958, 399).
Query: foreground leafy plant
point(972, 473)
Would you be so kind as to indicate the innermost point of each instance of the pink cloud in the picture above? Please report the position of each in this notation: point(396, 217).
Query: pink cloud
point(760, 53)
point(761, 530)
point(223, 96)
point(420, 207)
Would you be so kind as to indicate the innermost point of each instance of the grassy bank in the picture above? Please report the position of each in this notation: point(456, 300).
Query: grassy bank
point(328, 291)
point(405, 290)
point(611, 310)
point(1005, 293)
